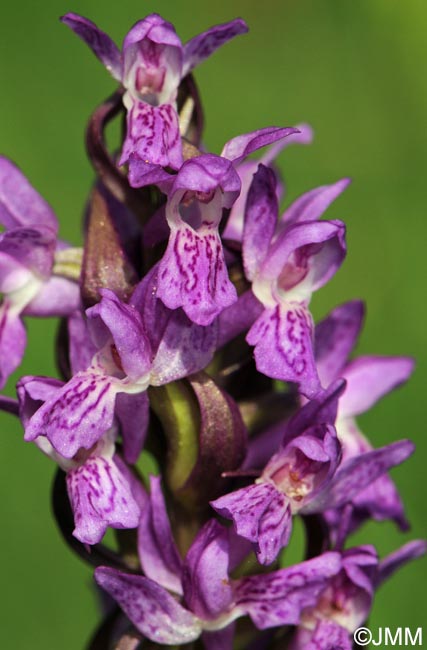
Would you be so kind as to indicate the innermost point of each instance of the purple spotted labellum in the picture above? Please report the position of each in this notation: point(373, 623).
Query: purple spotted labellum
point(27, 253)
point(151, 66)
point(286, 263)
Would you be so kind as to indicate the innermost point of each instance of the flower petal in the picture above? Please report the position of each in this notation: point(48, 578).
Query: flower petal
point(203, 45)
point(282, 337)
point(335, 338)
point(13, 340)
point(279, 597)
point(207, 590)
point(57, 297)
point(193, 275)
point(98, 41)
point(132, 411)
point(357, 473)
point(242, 145)
point(20, 204)
point(260, 219)
point(152, 134)
point(391, 563)
point(100, 496)
point(246, 508)
point(370, 378)
point(78, 414)
point(311, 205)
point(124, 324)
point(150, 607)
point(159, 556)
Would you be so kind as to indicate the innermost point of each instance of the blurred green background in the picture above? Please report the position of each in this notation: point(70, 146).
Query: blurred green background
point(356, 72)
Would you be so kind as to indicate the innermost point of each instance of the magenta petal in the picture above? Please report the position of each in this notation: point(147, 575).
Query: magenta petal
point(153, 134)
point(100, 496)
point(275, 529)
point(33, 248)
point(369, 379)
point(124, 324)
point(77, 415)
point(185, 348)
point(321, 243)
point(207, 590)
point(243, 145)
point(193, 275)
point(159, 556)
point(142, 173)
point(410, 551)
point(13, 339)
point(132, 411)
point(335, 338)
point(57, 297)
point(98, 41)
point(357, 473)
point(20, 204)
point(282, 337)
point(246, 507)
point(260, 219)
point(203, 45)
point(239, 317)
point(150, 607)
point(279, 597)
point(311, 205)
point(327, 635)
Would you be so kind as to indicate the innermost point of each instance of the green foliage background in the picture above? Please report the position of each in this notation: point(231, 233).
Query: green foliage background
point(355, 70)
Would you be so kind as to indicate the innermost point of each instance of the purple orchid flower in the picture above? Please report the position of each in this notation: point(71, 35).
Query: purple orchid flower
point(27, 250)
point(346, 602)
point(368, 378)
point(305, 476)
point(126, 362)
point(286, 263)
point(192, 272)
point(211, 600)
point(100, 487)
point(151, 66)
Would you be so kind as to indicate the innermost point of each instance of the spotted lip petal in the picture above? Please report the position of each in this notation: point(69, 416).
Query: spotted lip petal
point(282, 337)
point(100, 497)
point(153, 137)
point(77, 415)
point(193, 275)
